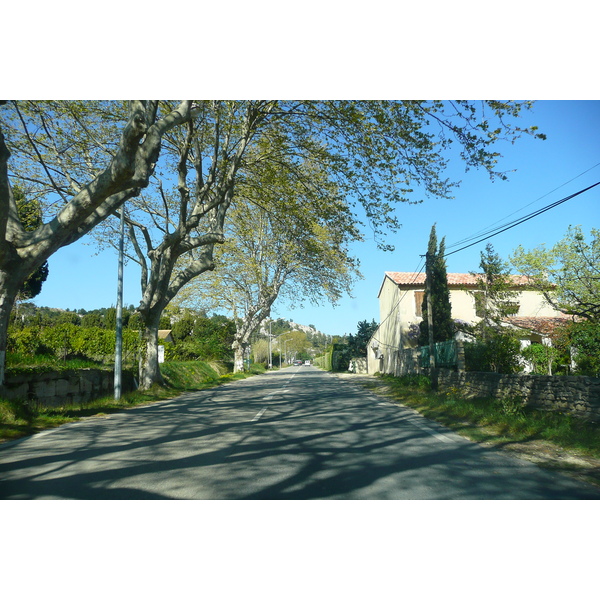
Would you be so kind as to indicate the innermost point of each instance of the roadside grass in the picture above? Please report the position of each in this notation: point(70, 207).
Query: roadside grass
point(20, 418)
point(501, 422)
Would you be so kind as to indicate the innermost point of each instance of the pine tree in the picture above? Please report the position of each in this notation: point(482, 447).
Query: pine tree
point(496, 346)
point(443, 325)
point(494, 296)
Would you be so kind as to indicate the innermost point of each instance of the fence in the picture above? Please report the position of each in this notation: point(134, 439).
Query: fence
point(446, 355)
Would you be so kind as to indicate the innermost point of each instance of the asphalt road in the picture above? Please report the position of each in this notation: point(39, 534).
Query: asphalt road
point(298, 433)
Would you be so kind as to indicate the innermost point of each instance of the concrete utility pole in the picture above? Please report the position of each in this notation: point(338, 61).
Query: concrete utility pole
point(270, 348)
point(119, 336)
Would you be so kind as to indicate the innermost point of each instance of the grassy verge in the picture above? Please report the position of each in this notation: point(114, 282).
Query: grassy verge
point(550, 439)
point(18, 418)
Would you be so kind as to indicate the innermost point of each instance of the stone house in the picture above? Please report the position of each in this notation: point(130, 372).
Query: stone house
point(401, 297)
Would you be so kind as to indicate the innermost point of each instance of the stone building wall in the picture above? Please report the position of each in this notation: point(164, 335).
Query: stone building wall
point(64, 387)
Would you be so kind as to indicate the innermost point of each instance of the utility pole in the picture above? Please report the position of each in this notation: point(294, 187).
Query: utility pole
point(270, 349)
point(119, 332)
point(432, 369)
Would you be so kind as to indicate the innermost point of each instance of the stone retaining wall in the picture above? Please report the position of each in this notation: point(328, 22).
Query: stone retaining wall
point(579, 396)
point(64, 387)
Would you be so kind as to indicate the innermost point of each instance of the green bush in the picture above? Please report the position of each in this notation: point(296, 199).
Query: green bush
point(498, 354)
point(25, 342)
point(69, 341)
point(542, 358)
point(585, 337)
point(60, 339)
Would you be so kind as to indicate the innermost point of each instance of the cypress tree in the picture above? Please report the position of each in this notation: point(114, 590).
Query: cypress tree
point(443, 325)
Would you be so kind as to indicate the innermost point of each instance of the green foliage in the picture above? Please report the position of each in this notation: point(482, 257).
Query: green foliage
point(25, 341)
point(443, 325)
point(494, 294)
point(30, 214)
point(357, 344)
point(421, 382)
point(340, 357)
point(585, 338)
point(68, 340)
point(183, 327)
point(496, 348)
point(324, 361)
point(568, 274)
point(543, 357)
point(498, 353)
point(60, 339)
point(93, 319)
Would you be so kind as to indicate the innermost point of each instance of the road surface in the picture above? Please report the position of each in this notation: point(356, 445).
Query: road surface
point(298, 433)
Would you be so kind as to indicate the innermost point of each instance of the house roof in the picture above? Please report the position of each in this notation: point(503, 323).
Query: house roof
point(164, 333)
point(456, 279)
point(542, 325)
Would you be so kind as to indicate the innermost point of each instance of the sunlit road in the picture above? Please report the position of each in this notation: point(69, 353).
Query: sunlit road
point(293, 434)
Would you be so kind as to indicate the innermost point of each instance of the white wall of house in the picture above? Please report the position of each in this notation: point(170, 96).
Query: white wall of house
point(400, 307)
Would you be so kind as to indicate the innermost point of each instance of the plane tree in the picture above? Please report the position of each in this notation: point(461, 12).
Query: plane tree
point(283, 241)
point(80, 161)
point(174, 225)
point(567, 274)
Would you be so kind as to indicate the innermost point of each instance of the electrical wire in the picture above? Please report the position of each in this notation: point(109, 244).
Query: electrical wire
point(516, 222)
point(490, 228)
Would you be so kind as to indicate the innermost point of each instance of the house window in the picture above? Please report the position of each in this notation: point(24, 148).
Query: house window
point(419, 303)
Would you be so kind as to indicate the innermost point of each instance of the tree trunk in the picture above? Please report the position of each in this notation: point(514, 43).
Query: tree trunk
point(8, 294)
point(239, 349)
point(149, 369)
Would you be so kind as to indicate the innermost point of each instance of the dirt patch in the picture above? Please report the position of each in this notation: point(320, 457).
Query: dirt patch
point(547, 455)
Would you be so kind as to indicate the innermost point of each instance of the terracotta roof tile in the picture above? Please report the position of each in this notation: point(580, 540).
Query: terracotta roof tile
point(538, 324)
point(453, 278)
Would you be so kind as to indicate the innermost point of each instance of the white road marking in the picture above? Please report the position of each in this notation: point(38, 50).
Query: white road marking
point(260, 413)
point(439, 436)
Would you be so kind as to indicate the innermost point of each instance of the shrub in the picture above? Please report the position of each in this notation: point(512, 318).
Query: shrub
point(60, 339)
point(499, 353)
point(541, 357)
point(25, 342)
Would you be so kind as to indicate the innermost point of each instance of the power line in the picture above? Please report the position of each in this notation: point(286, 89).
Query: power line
point(516, 222)
point(490, 228)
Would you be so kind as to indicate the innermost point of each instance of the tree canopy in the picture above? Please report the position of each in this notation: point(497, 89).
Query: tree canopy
point(81, 160)
point(568, 274)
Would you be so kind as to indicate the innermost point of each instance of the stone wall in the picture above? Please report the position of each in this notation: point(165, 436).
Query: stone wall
point(64, 387)
point(579, 396)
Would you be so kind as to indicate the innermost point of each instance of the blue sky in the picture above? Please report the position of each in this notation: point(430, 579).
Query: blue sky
point(81, 279)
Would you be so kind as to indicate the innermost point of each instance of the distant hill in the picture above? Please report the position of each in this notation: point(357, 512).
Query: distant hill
point(280, 325)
